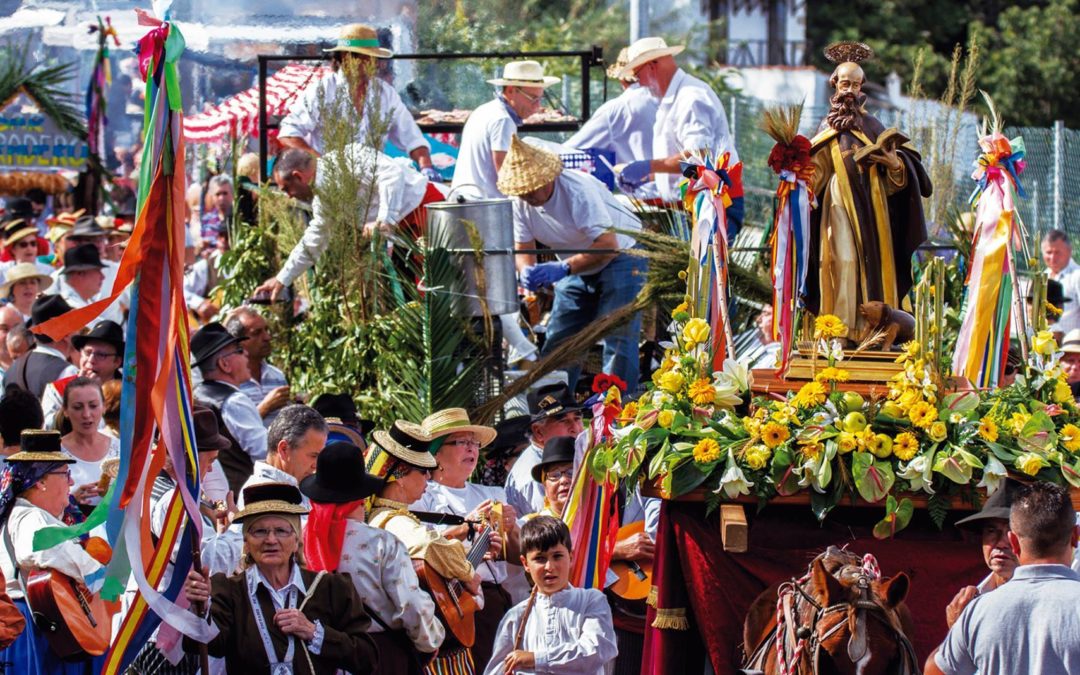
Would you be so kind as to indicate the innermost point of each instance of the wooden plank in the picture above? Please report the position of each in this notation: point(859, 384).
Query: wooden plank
point(733, 529)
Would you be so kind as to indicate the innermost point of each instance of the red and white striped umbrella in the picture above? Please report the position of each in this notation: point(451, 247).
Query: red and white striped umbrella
point(239, 114)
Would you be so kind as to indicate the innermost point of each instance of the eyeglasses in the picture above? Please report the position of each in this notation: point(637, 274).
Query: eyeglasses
point(93, 355)
point(463, 443)
point(65, 472)
point(423, 469)
point(556, 476)
point(261, 533)
point(529, 97)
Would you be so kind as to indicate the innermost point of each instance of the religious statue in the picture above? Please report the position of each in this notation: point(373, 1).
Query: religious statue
point(869, 184)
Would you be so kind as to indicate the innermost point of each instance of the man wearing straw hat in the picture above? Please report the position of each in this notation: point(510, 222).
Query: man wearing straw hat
point(689, 120)
point(623, 125)
point(356, 47)
point(570, 210)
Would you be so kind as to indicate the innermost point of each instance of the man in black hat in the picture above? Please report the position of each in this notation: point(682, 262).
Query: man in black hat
point(554, 413)
point(88, 231)
point(48, 360)
point(101, 355)
point(84, 278)
point(224, 367)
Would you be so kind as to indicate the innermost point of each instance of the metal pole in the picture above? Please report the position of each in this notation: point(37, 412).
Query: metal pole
point(733, 102)
point(1059, 167)
point(264, 140)
point(639, 19)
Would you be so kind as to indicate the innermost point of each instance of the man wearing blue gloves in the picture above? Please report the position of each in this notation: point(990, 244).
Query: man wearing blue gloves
point(690, 120)
point(571, 210)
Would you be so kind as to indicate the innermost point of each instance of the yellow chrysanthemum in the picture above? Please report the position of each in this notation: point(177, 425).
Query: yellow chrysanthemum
point(846, 442)
point(682, 308)
point(922, 414)
point(773, 434)
point(665, 418)
point(1030, 463)
point(757, 457)
point(752, 425)
point(988, 429)
point(1062, 391)
point(671, 382)
point(707, 450)
point(702, 392)
point(810, 395)
point(905, 446)
point(629, 411)
point(1070, 437)
point(828, 326)
point(938, 431)
point(696, 331)
point(832, 374)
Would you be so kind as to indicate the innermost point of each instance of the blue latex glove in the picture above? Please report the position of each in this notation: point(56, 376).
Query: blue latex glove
point(635, 174)
point(432, 174)
point(544, 274)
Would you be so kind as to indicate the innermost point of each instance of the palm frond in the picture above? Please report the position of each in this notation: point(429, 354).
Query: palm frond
point(46, 85)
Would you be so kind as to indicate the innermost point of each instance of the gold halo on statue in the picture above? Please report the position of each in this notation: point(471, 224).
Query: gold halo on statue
point(848, 51)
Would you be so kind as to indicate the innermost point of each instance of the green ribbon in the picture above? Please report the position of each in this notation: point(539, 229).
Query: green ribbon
point(366, 42)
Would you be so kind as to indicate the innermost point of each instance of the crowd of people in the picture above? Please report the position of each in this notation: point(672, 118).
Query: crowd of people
point(427, 546)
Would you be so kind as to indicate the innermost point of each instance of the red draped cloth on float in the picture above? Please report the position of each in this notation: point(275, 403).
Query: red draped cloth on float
point(696, 579)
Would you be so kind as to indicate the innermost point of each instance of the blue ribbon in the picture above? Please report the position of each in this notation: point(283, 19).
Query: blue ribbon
point(1009, 164)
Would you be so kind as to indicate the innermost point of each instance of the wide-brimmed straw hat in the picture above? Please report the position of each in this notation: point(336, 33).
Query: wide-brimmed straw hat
point(266, 499)
point(17, 228)
point(441, 424)
point(360, 38)
point(68, 218)
point(614, 71)
point(527, 168)
point(40, 445)
point(22, 272)
point(410, 448)
point(645, 50)
point(1071, 342)
point(524, 74)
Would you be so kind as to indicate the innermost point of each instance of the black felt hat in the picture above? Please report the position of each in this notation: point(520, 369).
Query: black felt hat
point(510, 435)
point(209, 340)
point(996, 507)
point(559, 450)
point(551, 400)
point(87, 226)
point(339, 476)
point(47, 307)
point(104, 331)
point(82, 257)
point(337, 406)
point(208, 436)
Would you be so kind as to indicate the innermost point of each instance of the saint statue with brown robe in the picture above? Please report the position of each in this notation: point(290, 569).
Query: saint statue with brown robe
point(869, 220)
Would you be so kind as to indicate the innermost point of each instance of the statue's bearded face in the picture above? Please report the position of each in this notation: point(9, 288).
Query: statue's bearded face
point(846, 108)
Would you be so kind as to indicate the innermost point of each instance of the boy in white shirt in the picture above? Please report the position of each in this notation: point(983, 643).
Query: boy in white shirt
point(566, 629)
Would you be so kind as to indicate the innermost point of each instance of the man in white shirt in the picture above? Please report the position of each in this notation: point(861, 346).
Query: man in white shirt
point(353, 56)
point(690, 120)
point(48, 360)
point(1057, 254)
point(83, 274)
point(570, 210)
point(623, 125)
point(268, 387)
point(399, 193)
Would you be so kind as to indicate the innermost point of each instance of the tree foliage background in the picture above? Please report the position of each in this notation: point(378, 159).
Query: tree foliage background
point(1031, 64)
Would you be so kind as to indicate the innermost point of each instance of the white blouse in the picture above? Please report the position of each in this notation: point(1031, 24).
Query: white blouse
point(568, 632)
point(67, 557)
point(384, 578)
point(83, 471)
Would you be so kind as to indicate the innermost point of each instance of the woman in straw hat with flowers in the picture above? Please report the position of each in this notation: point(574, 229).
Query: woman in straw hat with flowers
point(578, 213)
point(275, 616)
point(353, 54)
point(456, 443)
point(402, 458)
point(623, 125)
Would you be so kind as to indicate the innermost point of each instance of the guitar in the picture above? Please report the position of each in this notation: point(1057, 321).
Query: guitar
point(76, 622)
point(635, 579)
point(456, 605)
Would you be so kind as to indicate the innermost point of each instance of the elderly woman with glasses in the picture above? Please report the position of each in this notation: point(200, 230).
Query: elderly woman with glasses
point(34, 495)
point(402, 458)
point(456, 443)
point(275, 616)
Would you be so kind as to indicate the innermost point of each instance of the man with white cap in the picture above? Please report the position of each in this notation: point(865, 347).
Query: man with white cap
point(485, 140)
point(571, 210)
point(356, 47)
point(690, 120)
point(623, 125)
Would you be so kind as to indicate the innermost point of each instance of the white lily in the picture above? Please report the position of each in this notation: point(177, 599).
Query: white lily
point(734, 374)
point(919, 471)
point(733, 483)
point(994, 472)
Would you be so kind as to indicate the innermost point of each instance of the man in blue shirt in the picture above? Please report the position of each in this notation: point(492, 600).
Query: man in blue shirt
point(1030, 624)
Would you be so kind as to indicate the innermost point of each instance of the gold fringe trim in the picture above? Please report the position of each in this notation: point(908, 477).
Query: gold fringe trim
point(671, 619)
point(651, 600)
